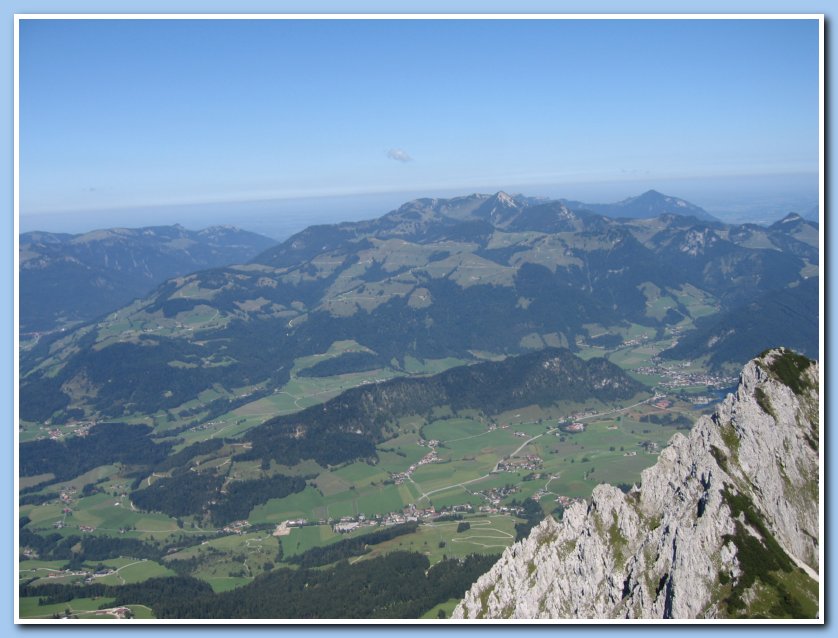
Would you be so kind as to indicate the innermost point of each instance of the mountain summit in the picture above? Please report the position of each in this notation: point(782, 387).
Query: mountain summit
point(724, 525)
point(499, 274)
point(649, 204)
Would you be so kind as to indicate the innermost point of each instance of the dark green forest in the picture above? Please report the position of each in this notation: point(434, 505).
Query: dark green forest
point(104, 444)
point(398, 585)
point(348, 426)
point(349, 547)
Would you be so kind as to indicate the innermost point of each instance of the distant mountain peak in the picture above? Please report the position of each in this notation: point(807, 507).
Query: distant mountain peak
point(505, 199)
point(791, 223)
point(647, 205)
point(791, 217)
point(649, 194)
point(565, 213)
point(499, 208)
point(656, 196)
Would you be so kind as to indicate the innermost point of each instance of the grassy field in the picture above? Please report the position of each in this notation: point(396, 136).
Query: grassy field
point(135, 571)
point(614, 447)
point(306, 504)
point(141, 612)
point(698, 303)
point(29, 607)
point(231, 561)
point(446, 608)
point(39, 568)
point(104, 512)
point(413, 365)
point(468, 453)
point(302, 392)
point(447, 429)
point(488, 535)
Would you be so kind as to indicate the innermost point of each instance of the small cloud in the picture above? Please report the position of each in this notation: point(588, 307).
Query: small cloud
point(399, 154)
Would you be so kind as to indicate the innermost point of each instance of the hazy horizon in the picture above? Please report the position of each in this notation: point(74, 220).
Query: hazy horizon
point(733, 199)
point(248, 121)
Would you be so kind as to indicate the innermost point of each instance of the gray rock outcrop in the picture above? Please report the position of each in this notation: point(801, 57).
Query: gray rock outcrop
point(725, 524)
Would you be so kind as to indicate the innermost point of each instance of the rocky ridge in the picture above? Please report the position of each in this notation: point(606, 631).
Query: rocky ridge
point(725, 524)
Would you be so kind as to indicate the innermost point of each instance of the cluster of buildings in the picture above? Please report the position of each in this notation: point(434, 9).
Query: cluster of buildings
point(516, 464)
point(495, 495)
point(120, 613)
point(431, 457)
point(494, 426)
point(681, 375)
point(500, 509)
point(236, 527)
point(584, 414)
point(205, 426)
point(66, 573)
point(81, 428)
point(346, 524)
point(650, 446)
point(635, 341)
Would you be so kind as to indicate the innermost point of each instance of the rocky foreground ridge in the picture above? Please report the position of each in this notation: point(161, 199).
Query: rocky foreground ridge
point(724, 525)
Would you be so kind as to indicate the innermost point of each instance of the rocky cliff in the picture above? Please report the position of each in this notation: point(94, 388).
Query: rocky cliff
point(724, 525)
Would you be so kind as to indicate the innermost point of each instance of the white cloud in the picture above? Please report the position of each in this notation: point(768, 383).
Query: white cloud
point(399, 154)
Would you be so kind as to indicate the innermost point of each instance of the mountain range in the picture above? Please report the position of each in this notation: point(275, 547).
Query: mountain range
point(70, 279)
point(468, 277)
point(649, 204)
point(453, 375)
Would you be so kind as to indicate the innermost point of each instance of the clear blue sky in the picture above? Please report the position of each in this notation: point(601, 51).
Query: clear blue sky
point(136, 113)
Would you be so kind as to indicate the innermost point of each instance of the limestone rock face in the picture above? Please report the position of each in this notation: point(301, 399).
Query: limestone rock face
point(725, 524)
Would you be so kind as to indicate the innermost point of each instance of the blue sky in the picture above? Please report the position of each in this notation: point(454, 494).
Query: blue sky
point(141, 113)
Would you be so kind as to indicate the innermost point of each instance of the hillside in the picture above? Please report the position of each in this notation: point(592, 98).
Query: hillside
point(68, 279)
point(788, 315)
point(349, 426)
point(468, 277)
point(340, 430)
point(724, 525)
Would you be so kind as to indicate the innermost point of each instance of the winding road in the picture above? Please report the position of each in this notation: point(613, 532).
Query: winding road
point(494, 470)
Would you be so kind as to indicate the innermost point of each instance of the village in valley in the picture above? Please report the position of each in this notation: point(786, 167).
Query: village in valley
point(523, 467)
point(440, 474)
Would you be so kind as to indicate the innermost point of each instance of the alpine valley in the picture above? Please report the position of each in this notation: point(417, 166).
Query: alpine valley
point(358, 421)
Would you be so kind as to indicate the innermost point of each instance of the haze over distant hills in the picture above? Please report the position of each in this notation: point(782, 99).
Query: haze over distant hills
point(476, 362)
point(732, 199)
point(496, 274)
point(649, 204)
point(66, 279)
